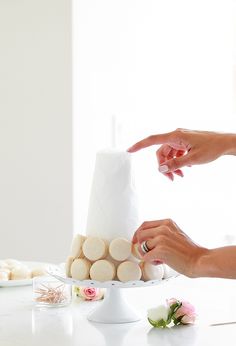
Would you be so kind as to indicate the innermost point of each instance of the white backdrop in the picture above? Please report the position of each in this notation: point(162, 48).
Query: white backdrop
point(142, 67)
point(35, 129)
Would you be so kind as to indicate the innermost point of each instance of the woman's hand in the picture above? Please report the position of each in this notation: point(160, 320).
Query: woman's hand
point(186, 148)
point(169, 244)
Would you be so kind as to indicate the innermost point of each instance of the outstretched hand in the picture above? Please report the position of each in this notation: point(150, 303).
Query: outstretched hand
point(183, 147)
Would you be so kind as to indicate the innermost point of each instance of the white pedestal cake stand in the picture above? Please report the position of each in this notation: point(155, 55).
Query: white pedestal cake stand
point(114, 308)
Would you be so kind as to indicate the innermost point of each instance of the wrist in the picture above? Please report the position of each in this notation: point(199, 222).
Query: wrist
point(200, 263)
point(229, 144)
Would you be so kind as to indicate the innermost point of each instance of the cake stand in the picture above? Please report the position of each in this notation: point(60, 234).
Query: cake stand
point(114, 308)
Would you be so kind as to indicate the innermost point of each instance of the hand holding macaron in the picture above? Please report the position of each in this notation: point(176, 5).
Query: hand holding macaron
point(167, 243)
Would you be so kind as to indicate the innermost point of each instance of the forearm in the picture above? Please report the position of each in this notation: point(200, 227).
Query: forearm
point(229, 144)
point(219, 262)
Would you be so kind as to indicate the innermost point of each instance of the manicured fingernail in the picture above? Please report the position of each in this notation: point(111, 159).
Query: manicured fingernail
point(163, 169)
point(179, 173)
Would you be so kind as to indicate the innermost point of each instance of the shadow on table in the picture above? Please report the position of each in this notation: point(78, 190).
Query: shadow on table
point(175, 336)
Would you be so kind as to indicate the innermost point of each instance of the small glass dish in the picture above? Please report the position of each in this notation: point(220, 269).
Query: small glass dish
point(50, 292)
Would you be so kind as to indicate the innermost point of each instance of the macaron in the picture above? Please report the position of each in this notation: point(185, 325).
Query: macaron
point(135, 251)
point(120, 249)
point(39, 271)
point(79, 269)
point(102, 270)
point(112, 260)
point(129, 271)
point(3, 265)
point(151, 272)
point(12, 263)
point(68, 265)
point(20, 273)
point(95, 248)
point(76, 246)
point(5, 274)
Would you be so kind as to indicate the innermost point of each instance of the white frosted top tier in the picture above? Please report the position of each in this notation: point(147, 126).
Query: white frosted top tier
point(113, 205)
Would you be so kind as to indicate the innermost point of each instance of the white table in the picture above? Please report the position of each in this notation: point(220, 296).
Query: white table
point(23, 325)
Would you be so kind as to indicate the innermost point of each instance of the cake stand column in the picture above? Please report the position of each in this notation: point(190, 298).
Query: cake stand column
point(114, 309)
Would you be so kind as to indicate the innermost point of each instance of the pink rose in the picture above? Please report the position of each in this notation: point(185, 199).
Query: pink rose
point(90, 293)
point(186, 310)
point(172, 301)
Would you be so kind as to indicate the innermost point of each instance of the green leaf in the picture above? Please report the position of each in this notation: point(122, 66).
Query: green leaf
point(76, 289)
point(173, 308)
point(177, 321)
point(158, 324)
point(162, 323)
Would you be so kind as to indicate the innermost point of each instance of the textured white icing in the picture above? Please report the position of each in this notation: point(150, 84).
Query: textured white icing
point(113, 207)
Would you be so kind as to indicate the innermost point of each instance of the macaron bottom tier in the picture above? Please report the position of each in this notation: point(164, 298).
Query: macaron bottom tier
point(97, 259)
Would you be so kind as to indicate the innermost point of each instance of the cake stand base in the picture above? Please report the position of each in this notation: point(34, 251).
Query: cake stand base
point(114, 309)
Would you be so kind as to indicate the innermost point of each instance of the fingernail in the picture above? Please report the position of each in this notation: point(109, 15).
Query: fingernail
point(129, 150)
point(179, 173)
point(170, 176)
point(163, 169)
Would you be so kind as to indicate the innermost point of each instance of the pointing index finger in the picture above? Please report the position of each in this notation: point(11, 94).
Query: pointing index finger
point(151, 140)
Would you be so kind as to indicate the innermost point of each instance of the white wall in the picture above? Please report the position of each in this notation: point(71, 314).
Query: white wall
point(157, 65)
point(35, 129)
